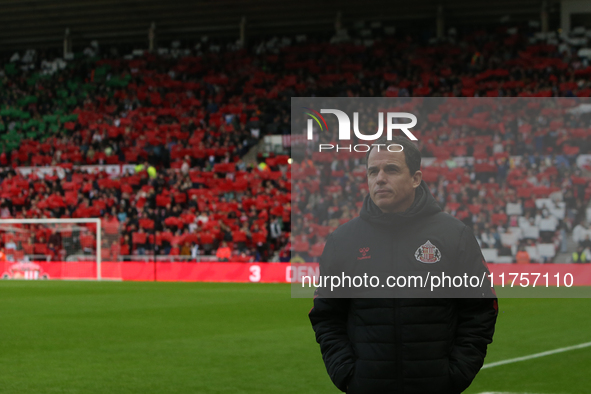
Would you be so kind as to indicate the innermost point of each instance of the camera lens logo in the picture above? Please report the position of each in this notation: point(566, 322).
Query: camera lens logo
point(317, 121)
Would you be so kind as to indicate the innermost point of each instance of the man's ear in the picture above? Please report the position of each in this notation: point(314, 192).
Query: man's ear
point(416, 179)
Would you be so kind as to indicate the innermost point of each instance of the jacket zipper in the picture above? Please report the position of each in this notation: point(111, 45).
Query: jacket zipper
point(397, 330)
point(398, 346)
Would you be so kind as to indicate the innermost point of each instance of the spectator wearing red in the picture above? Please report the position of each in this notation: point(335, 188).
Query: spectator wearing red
point(522, 256)
point(224, 252)
point(241, 237)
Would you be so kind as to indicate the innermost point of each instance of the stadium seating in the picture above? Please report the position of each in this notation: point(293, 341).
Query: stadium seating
point(195, 127)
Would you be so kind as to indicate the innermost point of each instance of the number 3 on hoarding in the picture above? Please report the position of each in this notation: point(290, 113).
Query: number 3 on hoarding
point(255, 273)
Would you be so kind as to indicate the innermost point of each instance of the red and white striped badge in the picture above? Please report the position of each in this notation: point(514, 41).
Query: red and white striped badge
point(428, 253)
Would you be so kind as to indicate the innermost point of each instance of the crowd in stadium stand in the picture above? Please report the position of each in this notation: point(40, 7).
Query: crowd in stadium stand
point(188, 121)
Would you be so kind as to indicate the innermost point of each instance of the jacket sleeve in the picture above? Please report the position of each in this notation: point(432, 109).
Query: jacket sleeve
point(329, 321)
point(476, 319)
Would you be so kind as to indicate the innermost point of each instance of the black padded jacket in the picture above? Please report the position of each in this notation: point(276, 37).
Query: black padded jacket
point(404, 345)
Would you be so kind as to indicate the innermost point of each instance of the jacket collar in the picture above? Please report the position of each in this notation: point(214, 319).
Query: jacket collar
point(424, 204)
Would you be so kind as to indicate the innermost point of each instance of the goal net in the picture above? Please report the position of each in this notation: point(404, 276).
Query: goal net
point(60, 249)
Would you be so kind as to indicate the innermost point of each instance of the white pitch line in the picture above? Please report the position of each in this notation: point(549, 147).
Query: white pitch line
point(547, 353)
point(502, 392)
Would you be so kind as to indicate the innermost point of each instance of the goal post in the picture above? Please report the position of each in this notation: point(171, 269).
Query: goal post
point(80, 245)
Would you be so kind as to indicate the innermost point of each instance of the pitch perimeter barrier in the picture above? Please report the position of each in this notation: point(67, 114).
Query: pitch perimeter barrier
point(503, 275)
point(150, 271)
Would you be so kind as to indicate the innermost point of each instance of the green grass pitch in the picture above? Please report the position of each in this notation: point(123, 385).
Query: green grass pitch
point(140, 337)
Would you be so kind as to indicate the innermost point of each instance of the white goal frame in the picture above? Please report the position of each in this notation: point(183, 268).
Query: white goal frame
point(97, 221)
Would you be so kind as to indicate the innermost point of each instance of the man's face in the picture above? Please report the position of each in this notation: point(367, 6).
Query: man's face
point(391, 186)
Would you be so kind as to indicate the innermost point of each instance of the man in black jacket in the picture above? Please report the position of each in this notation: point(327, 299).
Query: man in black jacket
point(403, 345)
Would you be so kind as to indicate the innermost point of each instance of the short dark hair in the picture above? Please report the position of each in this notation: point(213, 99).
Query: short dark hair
point(412, 155)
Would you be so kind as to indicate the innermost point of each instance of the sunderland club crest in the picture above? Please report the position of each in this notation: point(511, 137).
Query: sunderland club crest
point(428, 253)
